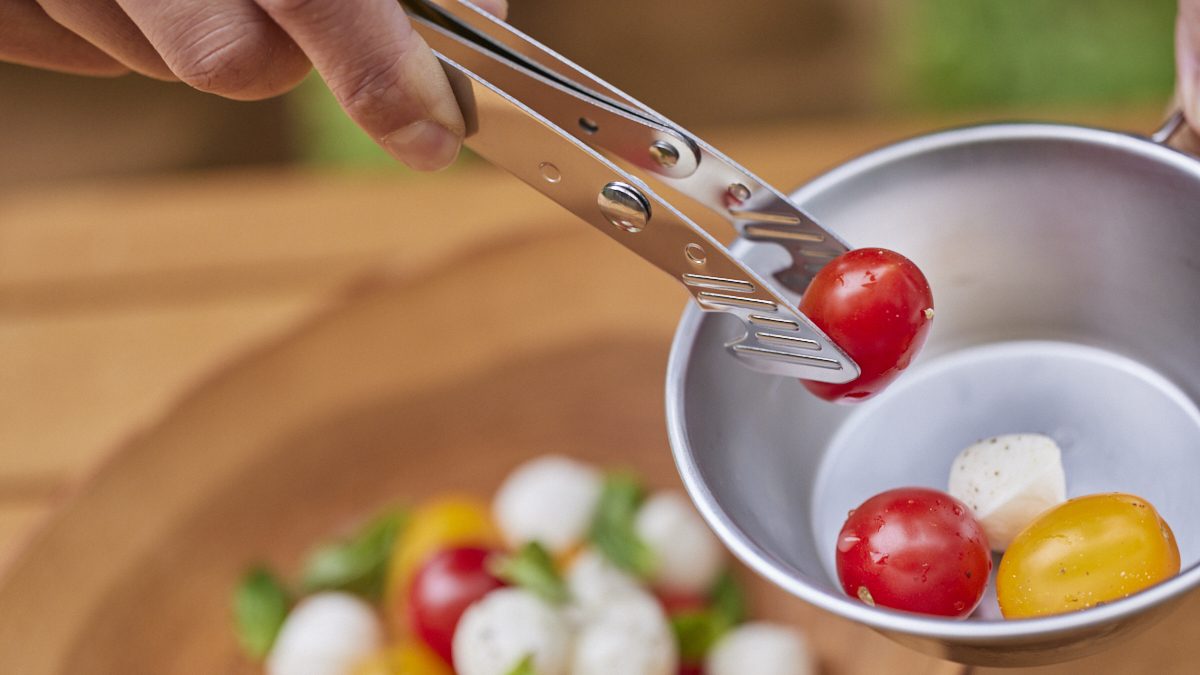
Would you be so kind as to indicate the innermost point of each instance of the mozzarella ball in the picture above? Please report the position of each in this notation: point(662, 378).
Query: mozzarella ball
point(1007, 481)
point(760, 648)
point(325, 634)
point(593, 580)
point(687, 555)
point(629, 635)
point(550, 500)
point(507, 625)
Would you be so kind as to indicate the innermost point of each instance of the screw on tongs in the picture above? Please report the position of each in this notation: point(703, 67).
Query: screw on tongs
point(588, 146)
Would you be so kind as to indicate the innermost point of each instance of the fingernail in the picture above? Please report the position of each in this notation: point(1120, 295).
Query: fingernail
point(424, 145)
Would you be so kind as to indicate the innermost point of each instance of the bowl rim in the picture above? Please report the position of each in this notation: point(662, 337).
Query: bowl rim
point(994, 632)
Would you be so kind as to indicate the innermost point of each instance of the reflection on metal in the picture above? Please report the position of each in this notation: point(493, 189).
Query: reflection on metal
point(723, 300)
point(597, 152)
point(770, 232)
point(774, 322)
point(769, 217)
point(664, 153)
point(718, 283)
point(624, 206)
point(738, 193)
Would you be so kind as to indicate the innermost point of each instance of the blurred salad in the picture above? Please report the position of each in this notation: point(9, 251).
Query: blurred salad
point(570, 571)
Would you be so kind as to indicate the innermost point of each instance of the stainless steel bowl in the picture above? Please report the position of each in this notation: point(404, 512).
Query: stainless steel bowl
point(1065, 264)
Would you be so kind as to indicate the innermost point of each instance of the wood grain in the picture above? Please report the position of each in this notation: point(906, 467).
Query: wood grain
point(378, 409)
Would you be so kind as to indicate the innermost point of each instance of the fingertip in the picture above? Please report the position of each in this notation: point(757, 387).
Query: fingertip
point(382, 73)
point(268, 80)
point(424, 145)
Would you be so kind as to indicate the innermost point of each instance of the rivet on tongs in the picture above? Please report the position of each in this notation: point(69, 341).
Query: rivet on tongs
point(664, 153)
point(737, 193)
point(624, 206)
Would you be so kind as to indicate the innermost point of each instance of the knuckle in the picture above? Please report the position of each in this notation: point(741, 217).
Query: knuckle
point(375, 89)
point(221, 56)
point(362, 90)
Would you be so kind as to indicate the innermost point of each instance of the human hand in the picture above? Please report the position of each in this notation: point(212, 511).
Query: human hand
point(381, 71)
point(1187, 60)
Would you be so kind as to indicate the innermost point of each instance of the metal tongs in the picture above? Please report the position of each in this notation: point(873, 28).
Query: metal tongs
point(588, 146)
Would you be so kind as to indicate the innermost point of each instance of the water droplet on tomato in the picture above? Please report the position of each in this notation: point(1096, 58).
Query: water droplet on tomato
point(847, 542)
point(879, 558)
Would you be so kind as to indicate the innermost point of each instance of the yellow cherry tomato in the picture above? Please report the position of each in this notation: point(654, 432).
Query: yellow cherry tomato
point(1084, 552)
point(406, 658)
point(437, 525)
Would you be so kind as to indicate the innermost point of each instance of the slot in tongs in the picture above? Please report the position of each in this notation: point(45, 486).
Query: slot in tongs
point(587, 146)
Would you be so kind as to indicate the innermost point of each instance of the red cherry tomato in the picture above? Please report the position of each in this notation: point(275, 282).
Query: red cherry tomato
point(877, 306)
point(441, 591)
point(914, 549)
point(679, 603)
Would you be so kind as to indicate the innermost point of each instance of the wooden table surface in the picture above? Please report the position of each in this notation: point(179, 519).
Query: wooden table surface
point(116, 296)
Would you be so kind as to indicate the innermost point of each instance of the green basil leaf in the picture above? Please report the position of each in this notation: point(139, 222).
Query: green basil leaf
point(532, 568)
point(524, 667)
point(727, 598)
point(260, 604)
point(697, 631)
point(357, 565)
point(612, 530)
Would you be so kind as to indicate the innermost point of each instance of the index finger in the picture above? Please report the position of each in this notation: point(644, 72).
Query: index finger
point(381, 72)
point(30, 37)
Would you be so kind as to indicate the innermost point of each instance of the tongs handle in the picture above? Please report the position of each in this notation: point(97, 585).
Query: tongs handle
point(492, 85)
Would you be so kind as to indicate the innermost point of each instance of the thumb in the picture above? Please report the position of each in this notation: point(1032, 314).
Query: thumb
point(381, 71)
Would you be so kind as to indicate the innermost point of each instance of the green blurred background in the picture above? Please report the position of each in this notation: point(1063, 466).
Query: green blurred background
point(971, 53)
point(938, 55)
point(716, 64)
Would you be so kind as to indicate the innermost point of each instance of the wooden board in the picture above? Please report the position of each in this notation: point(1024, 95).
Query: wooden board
point(117, 299)
point(403, 391)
